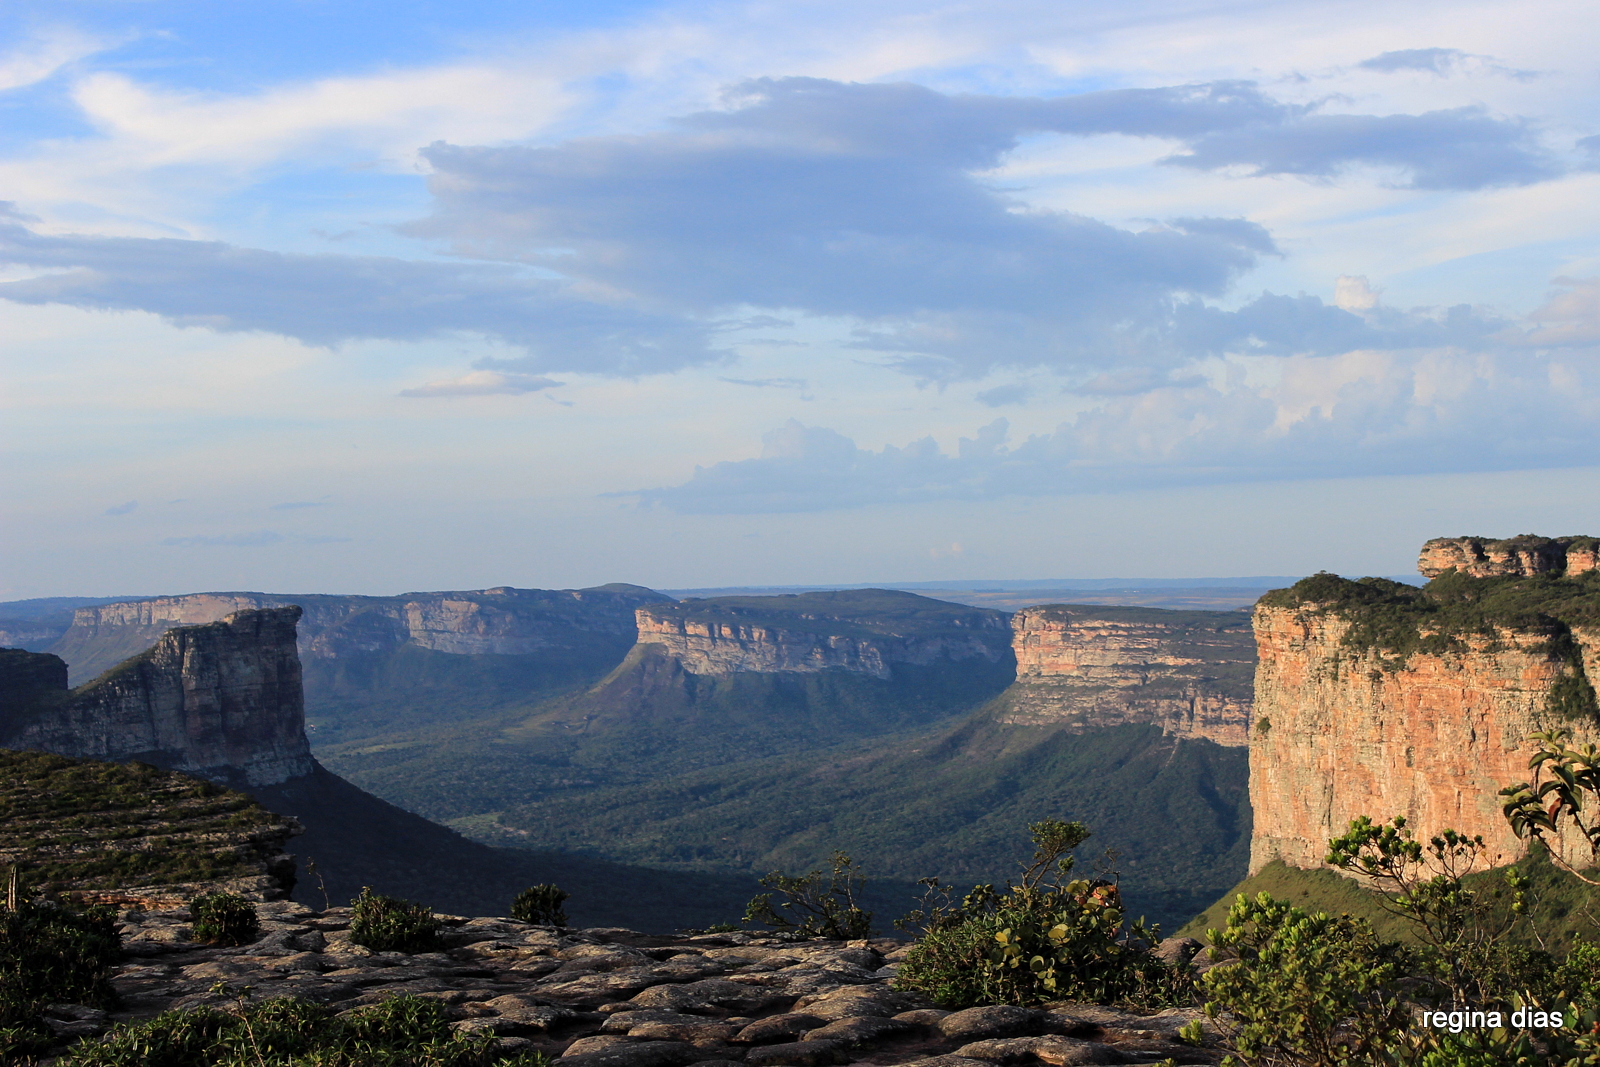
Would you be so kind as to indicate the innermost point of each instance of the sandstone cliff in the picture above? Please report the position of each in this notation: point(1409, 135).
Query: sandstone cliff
point(501, 621)
point(1524, 556)
point(1088, 666)
point(220, 701)
point(1378, 699)
point(862, 631)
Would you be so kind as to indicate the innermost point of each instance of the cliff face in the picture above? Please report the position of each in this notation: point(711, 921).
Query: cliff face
point(1416, 703)
point(499, 621)
point(220, 701)
point(866, 632)
point(1524, 556)
point(1188, 672)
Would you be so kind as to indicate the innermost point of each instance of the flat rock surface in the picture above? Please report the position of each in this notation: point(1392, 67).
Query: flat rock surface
point(618, 998)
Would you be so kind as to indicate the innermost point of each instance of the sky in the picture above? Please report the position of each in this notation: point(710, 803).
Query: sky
point(322, 296)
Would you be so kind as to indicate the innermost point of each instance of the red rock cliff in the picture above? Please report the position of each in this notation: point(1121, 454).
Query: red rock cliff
point(1524, 556)
point(1088, 666)
point(219, 701)
point(1344, 730)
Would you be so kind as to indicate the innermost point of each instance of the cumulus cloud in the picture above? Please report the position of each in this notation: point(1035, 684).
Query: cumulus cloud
point(1363, 413)
point(1001, 395)
point(330, 299)
point(484, 383)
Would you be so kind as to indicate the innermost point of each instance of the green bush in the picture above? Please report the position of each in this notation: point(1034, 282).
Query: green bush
point(540, 904)
point(224, 919)
point(389, 924)
point(814, 905)
point(52, 954)
point(403, 1031)
point(1306, 989)
point(1045, 938)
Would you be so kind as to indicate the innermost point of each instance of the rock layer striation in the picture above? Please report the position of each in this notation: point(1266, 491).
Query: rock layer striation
point(220, 701)
point(1089, 666)
point(1523, 556)
point(1347, 727)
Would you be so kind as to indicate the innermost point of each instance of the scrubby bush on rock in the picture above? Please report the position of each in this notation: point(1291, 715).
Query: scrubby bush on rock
point(224, 919)
point(814, 904)
point(50, 954)
point(540, 904)
point(390, 924)
point(1047, 937)
point(403, 1031)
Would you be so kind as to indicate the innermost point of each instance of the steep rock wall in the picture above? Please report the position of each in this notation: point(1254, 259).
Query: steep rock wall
point(220, 701)
point(717, 638)
point(1088, 666)
point(1341, 731)
point(499, 621)
point(1523, 556)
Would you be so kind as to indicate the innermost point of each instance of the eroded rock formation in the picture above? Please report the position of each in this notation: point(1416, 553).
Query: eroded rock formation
point(859, 631)
point(1523, 556)
point(1088, 666)
point(220, 701)
point(1348, 724)
point(499, 621)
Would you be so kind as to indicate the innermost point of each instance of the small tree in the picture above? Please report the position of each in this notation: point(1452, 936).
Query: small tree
point(815, 904)
point(1463, 926)
point(541, 905)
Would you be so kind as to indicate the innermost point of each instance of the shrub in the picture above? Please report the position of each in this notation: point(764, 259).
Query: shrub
point(52, 954)
point(540, 904)
point(389, 924)
point(224, 919)
point(1306, 989)
point(403, 1031)
point(1045, 938)
point(814, 905)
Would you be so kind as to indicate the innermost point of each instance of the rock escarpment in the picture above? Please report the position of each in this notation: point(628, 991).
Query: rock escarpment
point(862, 631)
point(221, 701)
point(1089, 666)
point(1523, 556)
point(1378, 699)
point(502, 621)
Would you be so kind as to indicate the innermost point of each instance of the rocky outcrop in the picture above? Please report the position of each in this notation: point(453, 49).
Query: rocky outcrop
point(1347, 725)
point(866, 631)
point(220, 701)
point(611, 997)
point(499, 621)
point(1089, 666)
point(1522, 556)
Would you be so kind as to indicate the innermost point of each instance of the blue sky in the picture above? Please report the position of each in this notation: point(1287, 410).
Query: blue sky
point(361, 297)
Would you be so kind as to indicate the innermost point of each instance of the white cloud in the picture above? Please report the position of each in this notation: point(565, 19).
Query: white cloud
point(45, 54)
point(483, 383)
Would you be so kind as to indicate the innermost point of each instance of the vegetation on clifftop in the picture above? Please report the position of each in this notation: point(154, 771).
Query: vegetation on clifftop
point(1398, 620)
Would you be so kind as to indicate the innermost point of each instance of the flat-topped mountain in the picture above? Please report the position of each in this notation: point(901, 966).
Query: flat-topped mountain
point(501, 621)
point(864, 631)
point(1090, 666)
point(220, 700)
point(1376, 698)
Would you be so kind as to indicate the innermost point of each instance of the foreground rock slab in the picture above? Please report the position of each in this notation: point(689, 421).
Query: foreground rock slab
point(609, 997)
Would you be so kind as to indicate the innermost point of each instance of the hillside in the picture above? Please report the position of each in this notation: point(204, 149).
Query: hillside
point(88, 828)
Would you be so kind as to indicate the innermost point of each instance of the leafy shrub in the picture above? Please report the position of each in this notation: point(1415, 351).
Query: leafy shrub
point(541, 905)
point(1045, 938)
point(1306, 989)
point(224, 919)
point(814, 907)
point(53, 954)
point(403, 1031)
point(389, 924)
